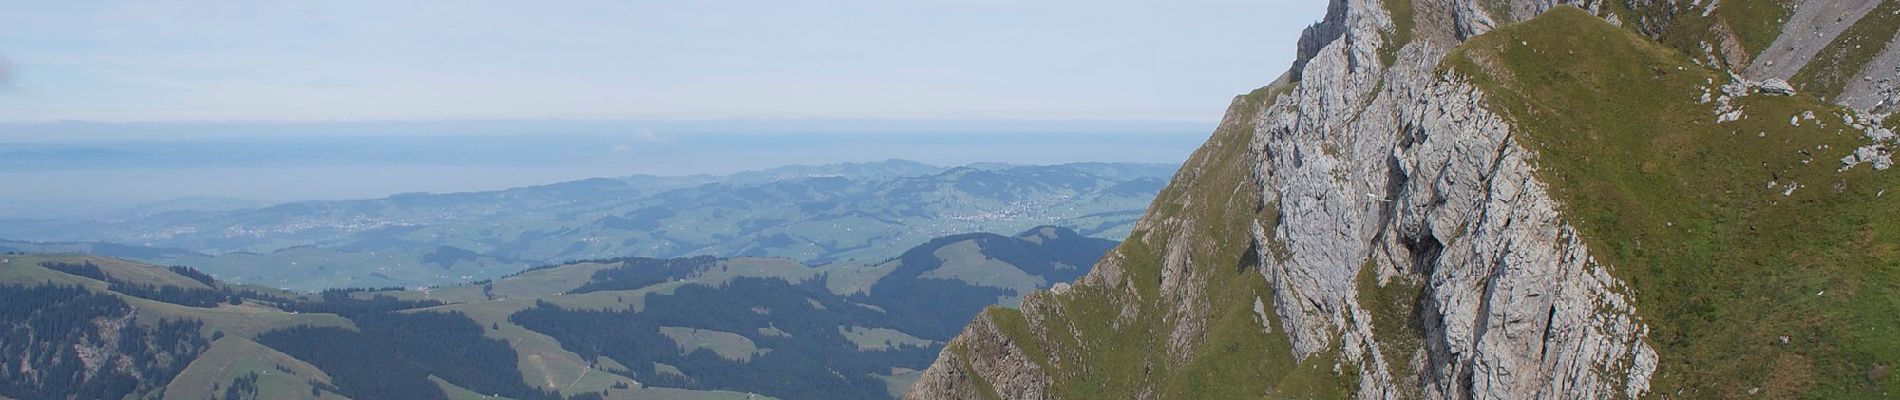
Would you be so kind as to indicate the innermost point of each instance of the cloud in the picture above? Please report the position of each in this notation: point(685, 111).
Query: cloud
point(647, 136)
point(641, 138)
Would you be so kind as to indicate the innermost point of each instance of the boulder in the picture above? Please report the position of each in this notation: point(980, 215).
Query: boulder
point(1776, 87)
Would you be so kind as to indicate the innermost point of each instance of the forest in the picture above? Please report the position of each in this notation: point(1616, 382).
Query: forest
point(392, 355)
point(785, 336)
point(45, 327)
point(809, 358)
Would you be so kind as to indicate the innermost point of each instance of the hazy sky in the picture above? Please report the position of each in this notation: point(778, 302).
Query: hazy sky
point(281, 100)
point(162, 60)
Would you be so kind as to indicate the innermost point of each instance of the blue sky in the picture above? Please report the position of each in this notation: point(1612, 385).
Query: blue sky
point(162, 60)
point(106, 104)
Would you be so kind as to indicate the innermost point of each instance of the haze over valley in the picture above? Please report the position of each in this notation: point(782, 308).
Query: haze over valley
point(91, 170)
point(950, 200)
point(741, 199)
point(855, 213)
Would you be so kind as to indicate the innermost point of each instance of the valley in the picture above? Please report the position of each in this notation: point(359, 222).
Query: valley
point(1435, 199)
point(621, 328)
point(848, 214)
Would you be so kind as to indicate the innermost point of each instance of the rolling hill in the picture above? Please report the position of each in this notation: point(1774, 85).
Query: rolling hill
point(622, 328)
point(842, 213)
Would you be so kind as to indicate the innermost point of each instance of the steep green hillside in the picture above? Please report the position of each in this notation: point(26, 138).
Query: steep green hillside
point(1112, 340)
point(956, 276)
point(1757, 261)
point(1579, 204)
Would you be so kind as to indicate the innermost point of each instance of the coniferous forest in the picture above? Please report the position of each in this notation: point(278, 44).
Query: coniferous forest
point(90, 327)
point(69, 342)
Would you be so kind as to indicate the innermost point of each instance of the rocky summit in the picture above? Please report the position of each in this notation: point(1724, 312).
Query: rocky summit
point(1506, 199)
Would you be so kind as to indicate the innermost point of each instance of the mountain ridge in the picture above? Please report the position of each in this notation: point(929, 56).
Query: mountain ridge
point(1410, 212)
point(842, 213)
point(614, 328)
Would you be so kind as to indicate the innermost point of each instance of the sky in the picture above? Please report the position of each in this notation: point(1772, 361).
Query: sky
point(170, 60)
point(78, 179)
point(111, 103)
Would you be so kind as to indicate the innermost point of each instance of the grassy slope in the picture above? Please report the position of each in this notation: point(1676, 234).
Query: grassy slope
point(899, 381)
point(965, 261)
point(455, 392)
point(542, 361)
point(756, 267)
point(728, 345)
point(243, 320)
point(1756, 22)
point(1722, 264)
point(683, 394)
point(879, 339)
point(233, 357)
point(248, 320)
point(1236, 358)
point(845, 280)
point(532, 284)
point(1402, 21)
point(25, 269)
point(1395, 322)
point(229, 358)
point(144, 273)
point(292, 268)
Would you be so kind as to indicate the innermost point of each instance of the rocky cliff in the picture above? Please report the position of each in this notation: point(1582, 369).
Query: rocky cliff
point(1505, 199)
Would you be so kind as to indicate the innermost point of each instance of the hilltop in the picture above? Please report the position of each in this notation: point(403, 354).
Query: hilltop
point(854, 213)
point(623, 328)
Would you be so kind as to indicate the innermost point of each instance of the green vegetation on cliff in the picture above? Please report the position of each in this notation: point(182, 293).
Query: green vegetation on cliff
point(1755, 261)
point(1755, 22)
point(1238, 354)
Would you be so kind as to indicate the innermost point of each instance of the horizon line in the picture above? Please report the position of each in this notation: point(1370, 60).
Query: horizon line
point(1180, 120)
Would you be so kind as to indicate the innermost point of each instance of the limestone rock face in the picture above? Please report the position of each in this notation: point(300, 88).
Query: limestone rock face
point(991, 359)
point(1777, 87)
point(1404, 171)
point(1419, 178)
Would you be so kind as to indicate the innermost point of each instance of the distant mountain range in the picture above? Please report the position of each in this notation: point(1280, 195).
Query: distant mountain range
point(623, 328)
point(856, 213)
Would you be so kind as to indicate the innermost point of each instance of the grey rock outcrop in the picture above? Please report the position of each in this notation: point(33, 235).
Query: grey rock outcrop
point(992, 360)
point(1405, 171)
point(1776, 87)
point(1449, 196)
point(1316, 36)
